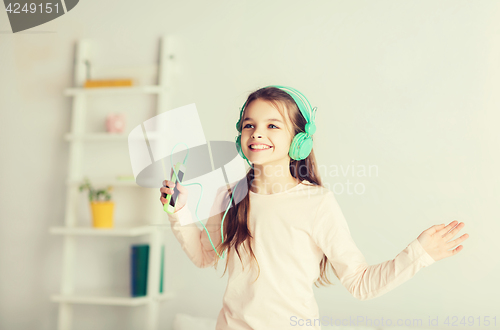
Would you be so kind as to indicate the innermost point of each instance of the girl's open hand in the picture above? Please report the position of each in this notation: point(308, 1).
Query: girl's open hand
point(436, 240)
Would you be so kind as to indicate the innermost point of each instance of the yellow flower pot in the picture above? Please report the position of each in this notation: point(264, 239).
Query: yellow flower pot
point(102, 214)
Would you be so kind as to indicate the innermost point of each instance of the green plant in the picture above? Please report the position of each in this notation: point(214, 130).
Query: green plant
point(96, 195)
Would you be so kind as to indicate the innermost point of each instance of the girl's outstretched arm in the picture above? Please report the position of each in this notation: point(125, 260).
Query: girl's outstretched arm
point(194, 242)
point(331, 233)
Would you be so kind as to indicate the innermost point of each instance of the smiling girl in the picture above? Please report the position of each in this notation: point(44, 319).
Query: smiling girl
point(287, 228)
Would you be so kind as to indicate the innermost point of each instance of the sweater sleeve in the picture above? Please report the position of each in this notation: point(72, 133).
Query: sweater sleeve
point(332, 235)
point(194, 241)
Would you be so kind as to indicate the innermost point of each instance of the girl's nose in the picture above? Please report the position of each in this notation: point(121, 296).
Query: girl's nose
point(256, 134)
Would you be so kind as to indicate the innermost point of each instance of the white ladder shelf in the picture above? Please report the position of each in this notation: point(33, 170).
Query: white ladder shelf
point(70, 231)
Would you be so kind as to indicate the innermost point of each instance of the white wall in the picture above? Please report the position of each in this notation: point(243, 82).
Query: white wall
point(411, 87)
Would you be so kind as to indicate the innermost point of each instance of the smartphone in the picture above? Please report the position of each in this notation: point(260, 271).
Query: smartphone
point(177, 175)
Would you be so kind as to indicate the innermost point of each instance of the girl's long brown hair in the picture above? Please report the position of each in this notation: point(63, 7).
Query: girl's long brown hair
point(236, 230)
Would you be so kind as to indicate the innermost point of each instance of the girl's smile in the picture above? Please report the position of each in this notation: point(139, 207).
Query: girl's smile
point(259, 147)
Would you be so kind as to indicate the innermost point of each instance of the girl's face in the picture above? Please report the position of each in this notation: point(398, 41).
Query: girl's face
point(263, 124)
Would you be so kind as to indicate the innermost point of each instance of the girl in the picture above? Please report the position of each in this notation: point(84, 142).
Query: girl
point(288, 227)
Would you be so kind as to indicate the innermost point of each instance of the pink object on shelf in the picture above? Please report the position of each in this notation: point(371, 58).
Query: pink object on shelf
point(115, 123)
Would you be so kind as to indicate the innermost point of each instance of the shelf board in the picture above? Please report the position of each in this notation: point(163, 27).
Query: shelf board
point(103, 300)
point(103, 137)
point(91, 231)
point(151, 89)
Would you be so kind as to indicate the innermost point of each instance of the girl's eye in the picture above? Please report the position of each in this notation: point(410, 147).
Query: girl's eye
point(252, 125)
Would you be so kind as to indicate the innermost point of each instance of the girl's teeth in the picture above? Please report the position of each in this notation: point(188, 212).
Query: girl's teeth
point(259, 147)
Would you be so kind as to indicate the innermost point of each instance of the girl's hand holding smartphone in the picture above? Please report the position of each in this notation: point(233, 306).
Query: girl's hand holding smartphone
point(168, 189)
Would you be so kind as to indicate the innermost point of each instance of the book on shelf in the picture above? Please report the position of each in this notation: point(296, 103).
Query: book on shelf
point(139, 260)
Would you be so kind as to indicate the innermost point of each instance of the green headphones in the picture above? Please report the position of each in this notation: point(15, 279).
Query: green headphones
point(302, 142)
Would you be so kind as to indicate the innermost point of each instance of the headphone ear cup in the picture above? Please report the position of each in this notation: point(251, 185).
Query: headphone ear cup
point(305, 148)
point(301, 146)
point(238, 147)
point(293, 147)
